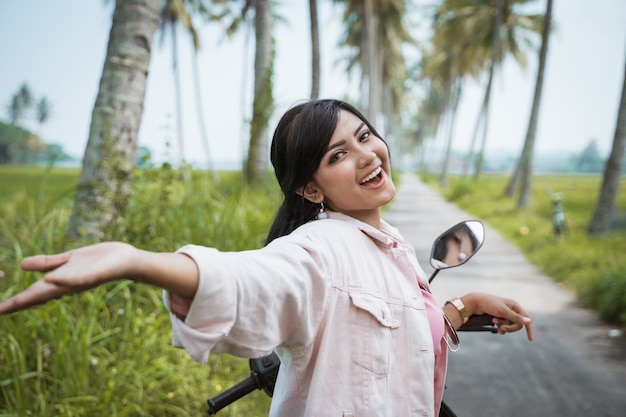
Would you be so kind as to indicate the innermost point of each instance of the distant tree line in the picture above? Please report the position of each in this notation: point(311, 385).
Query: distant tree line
point(18, 145)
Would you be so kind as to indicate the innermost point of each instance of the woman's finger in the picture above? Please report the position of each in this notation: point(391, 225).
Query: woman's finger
point(44, 263)
point(523, 320)
point(517, 318)
point(38, 293)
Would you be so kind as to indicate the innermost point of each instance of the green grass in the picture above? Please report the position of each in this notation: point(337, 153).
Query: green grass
point(594, 267)
point(108, 352)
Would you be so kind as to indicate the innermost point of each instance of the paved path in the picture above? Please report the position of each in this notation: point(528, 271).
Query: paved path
point(571, 369)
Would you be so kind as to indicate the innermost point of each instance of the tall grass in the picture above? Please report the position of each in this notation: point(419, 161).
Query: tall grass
point(108, 352)
point(592, 266)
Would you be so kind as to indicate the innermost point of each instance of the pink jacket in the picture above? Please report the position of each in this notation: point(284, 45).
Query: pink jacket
point(340, 303)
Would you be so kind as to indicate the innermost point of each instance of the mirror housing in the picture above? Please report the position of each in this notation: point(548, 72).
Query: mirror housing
point(457, 245)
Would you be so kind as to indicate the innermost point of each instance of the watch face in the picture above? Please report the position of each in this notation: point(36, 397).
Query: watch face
point(458, 304)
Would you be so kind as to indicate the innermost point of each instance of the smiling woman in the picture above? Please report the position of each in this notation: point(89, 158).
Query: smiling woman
point(319, 279)
point(354, 175)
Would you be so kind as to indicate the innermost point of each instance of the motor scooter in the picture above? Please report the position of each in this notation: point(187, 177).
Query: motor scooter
point(452, 248)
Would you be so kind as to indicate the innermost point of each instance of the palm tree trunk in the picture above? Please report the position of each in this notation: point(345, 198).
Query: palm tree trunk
point(200, 108)
point(256, 166)
point(370, 65)
point(455, 97)
point(525, 174)
point(315, 50)
point(179, 106)
point(495, 54)
point(485, 114)
point(481, 122)
point(104, 184)
point(601, 219)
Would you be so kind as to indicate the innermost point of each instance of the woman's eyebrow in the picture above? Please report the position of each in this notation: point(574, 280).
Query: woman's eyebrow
point(358, 129)
point(343, 142)
point(335, 145)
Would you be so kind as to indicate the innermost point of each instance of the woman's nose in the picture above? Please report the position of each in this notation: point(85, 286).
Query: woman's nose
point(367, 156)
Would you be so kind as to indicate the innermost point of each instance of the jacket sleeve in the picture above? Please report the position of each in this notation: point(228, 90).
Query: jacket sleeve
point(250, 302)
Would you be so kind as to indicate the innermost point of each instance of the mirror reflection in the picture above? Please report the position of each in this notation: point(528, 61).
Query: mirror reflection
point(457, 245)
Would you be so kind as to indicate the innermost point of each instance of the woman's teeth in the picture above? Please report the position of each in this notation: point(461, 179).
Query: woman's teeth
point(372, 175)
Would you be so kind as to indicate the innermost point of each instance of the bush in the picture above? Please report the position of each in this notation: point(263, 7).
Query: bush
point(107, 352)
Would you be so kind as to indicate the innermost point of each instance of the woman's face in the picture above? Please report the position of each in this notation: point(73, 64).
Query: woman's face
point(459, 246)
point(354, 175)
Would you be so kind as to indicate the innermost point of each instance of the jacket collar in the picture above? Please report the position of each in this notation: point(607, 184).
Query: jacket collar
point(387, 236)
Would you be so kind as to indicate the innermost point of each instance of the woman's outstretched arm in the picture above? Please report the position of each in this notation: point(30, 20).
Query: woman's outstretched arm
point(90, 266)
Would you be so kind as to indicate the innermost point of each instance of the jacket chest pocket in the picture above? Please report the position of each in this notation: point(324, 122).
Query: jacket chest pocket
point(372, 320)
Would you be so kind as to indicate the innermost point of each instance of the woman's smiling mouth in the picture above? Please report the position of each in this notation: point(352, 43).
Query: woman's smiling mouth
point(371, 176)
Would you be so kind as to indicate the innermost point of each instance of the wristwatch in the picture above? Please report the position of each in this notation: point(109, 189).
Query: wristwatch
point(458, 304)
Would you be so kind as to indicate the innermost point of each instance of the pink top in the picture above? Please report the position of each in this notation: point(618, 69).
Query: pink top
point(435, 319)
point(339, 303)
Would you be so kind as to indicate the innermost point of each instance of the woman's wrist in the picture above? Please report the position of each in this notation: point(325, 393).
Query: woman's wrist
point(453, 316)
point(458, 310)
point(173, 272)
point(471, 302)
point(458, 304)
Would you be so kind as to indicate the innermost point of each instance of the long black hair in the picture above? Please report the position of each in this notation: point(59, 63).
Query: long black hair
point(298, 145)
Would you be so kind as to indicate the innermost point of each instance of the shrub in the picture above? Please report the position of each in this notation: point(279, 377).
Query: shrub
point(107, 352)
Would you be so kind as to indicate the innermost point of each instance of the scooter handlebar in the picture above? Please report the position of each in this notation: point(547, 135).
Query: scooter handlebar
point(233, 393)
point(479, 323)
point(263, 373)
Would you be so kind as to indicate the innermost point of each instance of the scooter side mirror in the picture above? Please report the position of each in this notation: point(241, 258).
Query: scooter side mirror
point(457, 245)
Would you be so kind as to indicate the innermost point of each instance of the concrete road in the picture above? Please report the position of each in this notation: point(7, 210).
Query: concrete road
point(573, 368)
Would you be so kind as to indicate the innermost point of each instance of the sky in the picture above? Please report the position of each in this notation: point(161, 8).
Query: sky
point(58, 49)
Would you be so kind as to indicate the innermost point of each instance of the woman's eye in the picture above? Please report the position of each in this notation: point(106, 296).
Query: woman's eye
point(334, 157)
point(364, 135)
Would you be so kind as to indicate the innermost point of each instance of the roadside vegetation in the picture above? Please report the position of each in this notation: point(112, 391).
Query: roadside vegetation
point(108, 352)
point(592, 266)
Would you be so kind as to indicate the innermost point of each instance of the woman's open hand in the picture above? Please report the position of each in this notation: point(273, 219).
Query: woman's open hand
point(71, 272)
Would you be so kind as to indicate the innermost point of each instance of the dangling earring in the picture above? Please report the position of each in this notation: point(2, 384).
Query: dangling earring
point(322, 213)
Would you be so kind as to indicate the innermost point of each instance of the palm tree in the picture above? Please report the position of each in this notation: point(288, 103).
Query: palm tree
point(445, 63)
point(173, 14)
point(523, 171)
point(26, 96)
point(257, 161)
point(376, 33)
point(256, 166)
point(395, 35)
point(361, 21)
point(441, 67)
point(21, 102)
point(201, 114)
point(43, 109)
point(170, 15)
point(483, 117)
point(16, 109)
point(430, 112)
point(484, 32)
point(601, 219)
point(104, 183)
point(315, 50)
